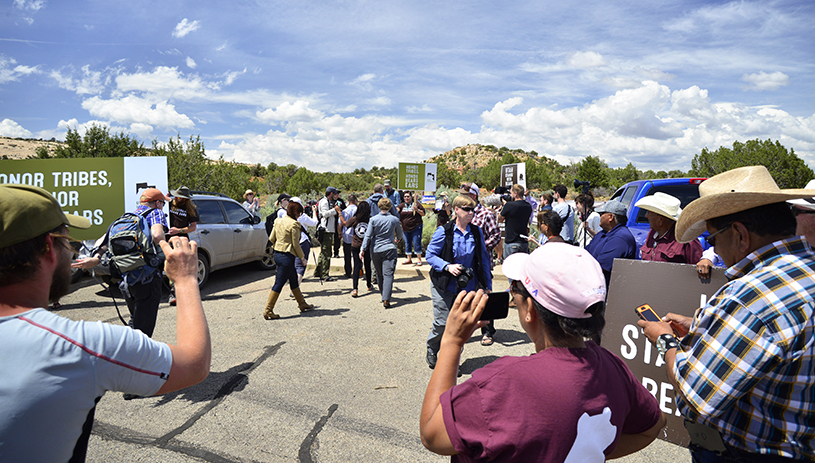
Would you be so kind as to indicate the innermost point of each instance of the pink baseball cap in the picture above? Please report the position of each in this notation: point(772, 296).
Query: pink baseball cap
point(564, 279)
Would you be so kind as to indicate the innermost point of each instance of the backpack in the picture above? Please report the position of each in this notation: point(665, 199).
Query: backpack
point(131, 249)
point(270, 221)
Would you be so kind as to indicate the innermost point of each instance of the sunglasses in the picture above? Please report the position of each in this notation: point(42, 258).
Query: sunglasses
point(712, 238)
point(797, 211)
point(467, 209)
point(516, 287)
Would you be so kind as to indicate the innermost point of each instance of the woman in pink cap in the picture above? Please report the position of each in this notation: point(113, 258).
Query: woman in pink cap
point(570, 401)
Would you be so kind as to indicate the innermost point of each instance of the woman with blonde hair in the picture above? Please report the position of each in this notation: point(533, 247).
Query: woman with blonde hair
point(285, 238)
point(383, 231)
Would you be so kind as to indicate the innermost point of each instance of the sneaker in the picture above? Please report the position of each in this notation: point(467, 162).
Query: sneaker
point(329, 279)
point(131, 396)
point(172, 301)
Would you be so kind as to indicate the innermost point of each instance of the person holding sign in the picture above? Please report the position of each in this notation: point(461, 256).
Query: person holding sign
point(745, 372)
point(571, 400)
point(410, 214)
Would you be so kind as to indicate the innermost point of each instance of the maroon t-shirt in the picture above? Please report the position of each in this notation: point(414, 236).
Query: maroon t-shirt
point(556, 403)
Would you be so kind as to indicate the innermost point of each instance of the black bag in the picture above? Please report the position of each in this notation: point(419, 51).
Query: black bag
point(270, 221)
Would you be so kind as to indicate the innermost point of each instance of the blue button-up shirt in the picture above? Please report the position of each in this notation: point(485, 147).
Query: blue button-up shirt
point(464, 249)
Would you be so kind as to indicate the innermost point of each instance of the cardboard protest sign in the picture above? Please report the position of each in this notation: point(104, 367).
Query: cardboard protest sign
point(512, 174)
point(416, 177)
point(99, 189)
point(666, 287)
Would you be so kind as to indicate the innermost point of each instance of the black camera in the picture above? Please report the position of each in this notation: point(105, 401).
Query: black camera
point(464, 277)
point(584, 184)
point(506, 198)
point(501, 190)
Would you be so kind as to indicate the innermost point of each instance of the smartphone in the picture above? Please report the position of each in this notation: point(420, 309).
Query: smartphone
point(497, 306)
point(646, 313)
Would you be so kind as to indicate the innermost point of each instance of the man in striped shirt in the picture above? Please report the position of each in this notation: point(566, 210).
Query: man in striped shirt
point(746, 368)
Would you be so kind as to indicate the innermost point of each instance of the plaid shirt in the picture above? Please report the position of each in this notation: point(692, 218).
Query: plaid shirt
point(747, 368)
point(485, 220)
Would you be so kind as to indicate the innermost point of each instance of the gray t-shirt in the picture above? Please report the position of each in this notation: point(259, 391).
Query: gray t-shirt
point(53, 369)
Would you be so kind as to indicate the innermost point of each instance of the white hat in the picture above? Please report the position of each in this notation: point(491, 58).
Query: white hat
point(296, 199)
point(662, 204)
point(806, 203)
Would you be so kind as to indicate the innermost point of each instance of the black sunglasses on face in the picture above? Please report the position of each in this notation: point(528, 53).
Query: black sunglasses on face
point(712, 238)
point(467, 209)
point(797, 211)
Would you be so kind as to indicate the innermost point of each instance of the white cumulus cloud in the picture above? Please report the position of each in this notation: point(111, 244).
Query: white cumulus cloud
point(185, 27)
point(9, 128)
point(586, 60)
point(298, 111)
point(165, 83)
point(132, 109)
point(89, 82)
point(11, 71)
point(766, 80)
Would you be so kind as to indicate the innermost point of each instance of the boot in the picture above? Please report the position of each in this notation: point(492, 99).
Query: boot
point(301, 301)
point(268, 312)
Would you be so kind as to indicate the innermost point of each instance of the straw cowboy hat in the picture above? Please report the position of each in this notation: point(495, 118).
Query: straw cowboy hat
point(662, 204)
point(730, 192)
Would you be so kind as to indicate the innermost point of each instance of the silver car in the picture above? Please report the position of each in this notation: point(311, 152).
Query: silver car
point(228, 235)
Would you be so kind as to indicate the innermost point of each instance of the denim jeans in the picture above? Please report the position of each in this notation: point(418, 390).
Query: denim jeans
point(299, 264)
point(285, 271)
point(413, 241)
point(512, 248)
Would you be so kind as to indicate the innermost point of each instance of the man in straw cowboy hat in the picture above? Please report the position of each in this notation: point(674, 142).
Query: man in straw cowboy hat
point(745, 371)
point(662, 211)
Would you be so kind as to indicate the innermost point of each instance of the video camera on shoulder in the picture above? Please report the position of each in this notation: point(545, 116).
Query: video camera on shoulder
point(501, 190)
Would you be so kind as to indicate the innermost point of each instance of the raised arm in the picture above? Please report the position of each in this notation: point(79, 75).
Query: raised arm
point(192, 352)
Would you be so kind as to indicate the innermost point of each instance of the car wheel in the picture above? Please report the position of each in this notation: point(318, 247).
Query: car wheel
point(77, 274)
point(266, 261)
point(203, 269)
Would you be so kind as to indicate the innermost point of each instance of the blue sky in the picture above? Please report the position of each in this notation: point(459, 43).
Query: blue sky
point(338, 85)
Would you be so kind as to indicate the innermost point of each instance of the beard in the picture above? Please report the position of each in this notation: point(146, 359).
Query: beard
point(61, 280)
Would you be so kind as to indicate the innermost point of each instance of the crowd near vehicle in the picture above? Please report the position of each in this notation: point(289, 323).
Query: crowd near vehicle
point(685, 189)
point(227, 235)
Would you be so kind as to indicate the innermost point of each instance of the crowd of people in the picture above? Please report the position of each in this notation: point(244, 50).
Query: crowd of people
point(743, 366)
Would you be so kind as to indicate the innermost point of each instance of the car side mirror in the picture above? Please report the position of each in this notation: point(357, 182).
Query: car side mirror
point(255, 220)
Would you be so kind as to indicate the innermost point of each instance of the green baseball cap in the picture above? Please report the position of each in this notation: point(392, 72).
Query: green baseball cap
point(27, 212)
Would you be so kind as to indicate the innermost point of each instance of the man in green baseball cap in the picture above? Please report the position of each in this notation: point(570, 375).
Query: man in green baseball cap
point(56, 369)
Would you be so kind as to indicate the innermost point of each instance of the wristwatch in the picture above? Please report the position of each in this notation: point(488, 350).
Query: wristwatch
point(666, 342)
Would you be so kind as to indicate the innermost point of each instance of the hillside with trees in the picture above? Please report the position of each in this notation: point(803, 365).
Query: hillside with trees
point(187, 164)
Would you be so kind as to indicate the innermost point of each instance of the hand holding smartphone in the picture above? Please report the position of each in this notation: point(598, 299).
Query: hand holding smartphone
point(648, 314)
point(497, 306)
